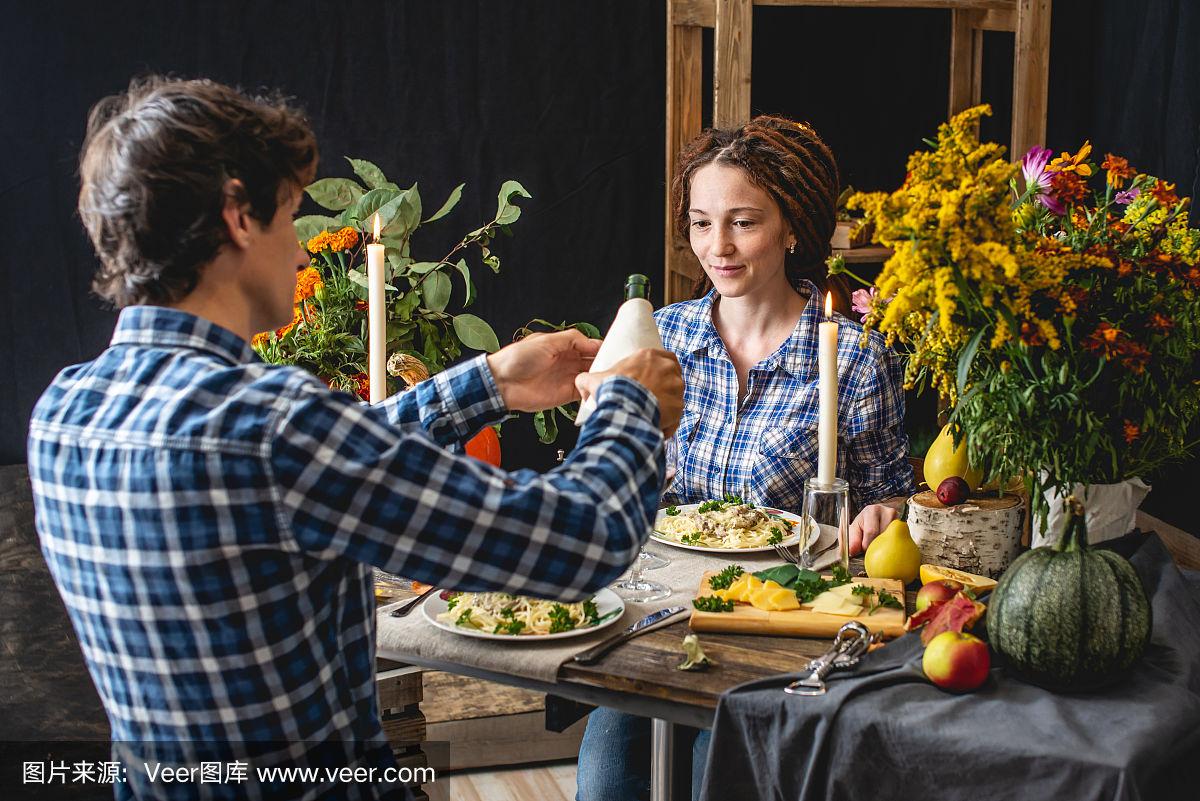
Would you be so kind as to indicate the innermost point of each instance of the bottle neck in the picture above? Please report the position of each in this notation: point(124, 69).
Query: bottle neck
point(637, 286)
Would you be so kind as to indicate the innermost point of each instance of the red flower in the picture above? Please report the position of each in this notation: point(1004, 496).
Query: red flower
point(1135, 357)
point(1132, 432)
point(1161, 323)
point(1031, 336)
point(1118, 170)
point(361, 306)
point(362, 385)
point(1068, 187)
point(1105, 340)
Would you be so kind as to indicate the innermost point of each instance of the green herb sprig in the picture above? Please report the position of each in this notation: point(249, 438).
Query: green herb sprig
point(726, 577)
point(711, 603)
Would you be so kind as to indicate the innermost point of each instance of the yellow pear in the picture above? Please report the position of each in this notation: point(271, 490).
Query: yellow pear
point(944, 460)
point(893, 554)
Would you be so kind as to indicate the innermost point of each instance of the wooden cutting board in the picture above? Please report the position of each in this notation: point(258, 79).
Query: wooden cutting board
point(802, 622)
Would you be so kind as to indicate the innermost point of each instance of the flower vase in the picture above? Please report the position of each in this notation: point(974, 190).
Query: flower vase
point(1109, 509)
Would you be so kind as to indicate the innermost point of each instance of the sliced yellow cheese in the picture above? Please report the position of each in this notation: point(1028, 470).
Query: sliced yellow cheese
point(832, 603)
point(747, 588)
point(846, 592)
point(775, 599)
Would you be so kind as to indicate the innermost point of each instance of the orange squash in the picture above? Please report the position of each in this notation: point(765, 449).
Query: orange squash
point(485, 446)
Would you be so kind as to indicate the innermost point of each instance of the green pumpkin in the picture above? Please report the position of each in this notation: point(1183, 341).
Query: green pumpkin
point(1068, 617)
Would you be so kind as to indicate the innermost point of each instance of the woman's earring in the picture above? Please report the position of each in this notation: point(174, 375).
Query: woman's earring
point(792, 248)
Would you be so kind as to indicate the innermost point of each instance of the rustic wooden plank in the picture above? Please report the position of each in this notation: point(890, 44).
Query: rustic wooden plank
point(1031, 76)
point(999, 19)
point(701, 13)
point(684, 85)
point(964, 76)
point(400, 692)
point(1184, 547)
point(998, 5)
point(732, 44)
point(450, 697)
point(405, 729)
point(504, 740)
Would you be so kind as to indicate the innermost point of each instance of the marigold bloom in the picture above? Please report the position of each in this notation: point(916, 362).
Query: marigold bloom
point(1066, 163)
point(296, 317)
point(362, 385)
point(318, 242)
point(1164, 193)
point(361, 306)
point(1118, 170)
point(1132, 432)
point(307, 281)
point(260, 340)
point(345, 239)
point(1068, 187)
point(1134, 357)
point(1160, 322)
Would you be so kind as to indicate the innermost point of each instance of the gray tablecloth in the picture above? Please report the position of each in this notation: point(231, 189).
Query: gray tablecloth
point(885, 732)
point(415, 638)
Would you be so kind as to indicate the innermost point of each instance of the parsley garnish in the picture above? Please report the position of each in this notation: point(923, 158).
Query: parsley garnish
point(840, 576)
point(465, 618)
point(722, 580)
point(710, 506)
point(671, 511)
point(887, 600)
point(509, 627)
point(734, 499)
point(711, 603)
point(590, 613)
point(776, 536)
point(453, 601)
point(691, 539)
point(863, 590)
point(883, 598)
point(560, 619)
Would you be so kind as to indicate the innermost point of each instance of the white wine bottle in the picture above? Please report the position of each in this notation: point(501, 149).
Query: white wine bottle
point(631, 330)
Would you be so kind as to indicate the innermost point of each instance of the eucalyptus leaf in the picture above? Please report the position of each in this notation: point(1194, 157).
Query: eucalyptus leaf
point(372, 176)
point(310, 225)
point(436, 290)
point(451, 202)
point(589, 330)
point(475, 333)
point(468, 284)
point(422, 267)
point(506, 211)
point(372, 202)
point(334, 194)
point(358, 277)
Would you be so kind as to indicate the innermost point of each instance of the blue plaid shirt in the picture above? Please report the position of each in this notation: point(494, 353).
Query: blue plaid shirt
point(210, 521)
point(764, 448)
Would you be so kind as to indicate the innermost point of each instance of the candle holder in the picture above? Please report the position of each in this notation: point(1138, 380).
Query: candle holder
point(828, 503)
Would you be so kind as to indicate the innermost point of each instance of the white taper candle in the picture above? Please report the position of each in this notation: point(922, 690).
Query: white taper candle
point(377, 319)
point(827, 395)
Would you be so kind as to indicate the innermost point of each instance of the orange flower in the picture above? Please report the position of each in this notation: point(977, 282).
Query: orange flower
point(1118, 170)
point(1104, 340)
point(307, 282)
point(362, 385)
point(1066, 163)
point(260, 340)
point(1031, 336)
point(1132, 432)
point(1161, 323)
point(1164, 193)
point(282, 332)
point(345, 239)
point(1068, 187)
point(318, 242)
point(1135, 357)
point(361, 306)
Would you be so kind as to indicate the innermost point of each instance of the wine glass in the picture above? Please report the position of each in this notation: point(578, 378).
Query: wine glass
point(635, 588)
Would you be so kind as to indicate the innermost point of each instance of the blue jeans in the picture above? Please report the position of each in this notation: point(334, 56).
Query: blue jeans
point(614, 757)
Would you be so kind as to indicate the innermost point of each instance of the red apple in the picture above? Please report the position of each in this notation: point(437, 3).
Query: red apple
point(956, 661)
point(935, 592)
point(953, 491)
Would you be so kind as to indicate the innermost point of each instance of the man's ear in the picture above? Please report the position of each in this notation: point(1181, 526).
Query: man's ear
point(236, 213)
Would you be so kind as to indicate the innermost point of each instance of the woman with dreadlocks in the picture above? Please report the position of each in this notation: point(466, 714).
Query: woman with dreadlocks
point(758, 206)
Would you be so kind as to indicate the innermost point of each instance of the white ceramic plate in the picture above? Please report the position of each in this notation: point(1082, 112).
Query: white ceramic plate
point(791, 519)
point(607, 603)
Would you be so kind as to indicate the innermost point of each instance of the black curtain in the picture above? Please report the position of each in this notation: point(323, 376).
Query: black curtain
point(565, 96)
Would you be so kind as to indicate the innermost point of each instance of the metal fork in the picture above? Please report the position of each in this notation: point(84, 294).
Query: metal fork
point(786, 555)
point(402, 611)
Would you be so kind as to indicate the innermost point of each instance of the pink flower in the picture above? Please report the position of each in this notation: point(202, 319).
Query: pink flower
point(1126, 197)
point(860, 301)
point(1033, 167)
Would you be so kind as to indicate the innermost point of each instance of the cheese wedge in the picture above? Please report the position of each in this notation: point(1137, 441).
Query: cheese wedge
point(832, 603)
point(772, 597)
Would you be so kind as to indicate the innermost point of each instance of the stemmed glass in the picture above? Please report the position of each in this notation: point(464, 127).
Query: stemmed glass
point(635, 588)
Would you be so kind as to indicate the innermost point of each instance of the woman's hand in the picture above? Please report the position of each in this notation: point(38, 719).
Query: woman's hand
point(869, 524)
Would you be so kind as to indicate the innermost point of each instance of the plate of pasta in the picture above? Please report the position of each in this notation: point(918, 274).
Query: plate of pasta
point(731, 524)
point(520, 618)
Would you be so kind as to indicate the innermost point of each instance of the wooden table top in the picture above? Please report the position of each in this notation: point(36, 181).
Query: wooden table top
point(641, 674)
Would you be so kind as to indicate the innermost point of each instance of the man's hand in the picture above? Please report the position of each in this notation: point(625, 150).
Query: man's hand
point(539, 371)
point(869, 524)
point(655, 369)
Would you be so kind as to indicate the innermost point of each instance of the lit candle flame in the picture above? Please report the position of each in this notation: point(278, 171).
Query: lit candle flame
point(376, 226)
point(828, 295)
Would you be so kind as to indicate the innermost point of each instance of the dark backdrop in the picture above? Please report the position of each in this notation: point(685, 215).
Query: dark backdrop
point(566, 97)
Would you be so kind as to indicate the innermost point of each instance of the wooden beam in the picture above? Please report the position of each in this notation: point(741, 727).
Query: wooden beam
point(684, 87)
point(999, 19)
point(1031, 76)
point(965, 38)
point(731, 63)
point(699, 13)
point(999, 5)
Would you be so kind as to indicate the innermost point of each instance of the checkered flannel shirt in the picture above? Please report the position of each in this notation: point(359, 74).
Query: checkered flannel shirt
point(764, 448)
point(210, 521)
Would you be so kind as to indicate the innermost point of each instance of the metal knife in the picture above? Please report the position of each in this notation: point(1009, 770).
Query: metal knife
point(652, 620)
